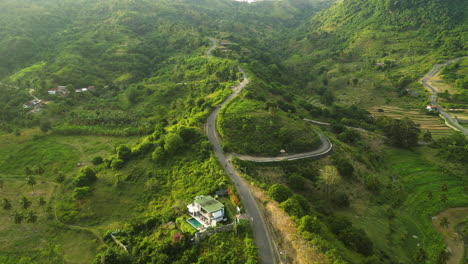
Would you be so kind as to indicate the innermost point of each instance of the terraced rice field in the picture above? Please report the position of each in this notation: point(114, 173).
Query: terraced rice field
point(435, 124)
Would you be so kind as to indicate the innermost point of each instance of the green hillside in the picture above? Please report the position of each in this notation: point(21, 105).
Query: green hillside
point(117, 155)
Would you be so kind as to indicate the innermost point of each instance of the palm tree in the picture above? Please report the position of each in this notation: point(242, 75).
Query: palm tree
point(6, 204)
point(31, 182)
point(25, 203)
point(18, 217)
point(430, 195)
point(31, 217)
point(443, 198)
point(27, 170)
point(42, 202)
point(444, 222)
point(444, 187)
point(60, 178)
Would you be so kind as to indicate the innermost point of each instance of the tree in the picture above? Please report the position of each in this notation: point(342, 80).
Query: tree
point(444, 187)
point(427, 136)
point(18, 217)
point(40, 170)
point(444, 222)
point(292, 207)
point(42, 202)
point(402, 133)
point(430, 195)
point(309, 224)
point(86, 176)
point(60, 178)
point(279, 192)
point(25, 202)
point(443, 198)
point(114, 255)
point(31, 182)
point(327, 97)
point(45, 126)
point(330, 177)
point(296, 181)
point(27, 171)
point(421, 256)
point(97, 160)
point(31, 217)
point(6, 204)
point(117, 164)
point(124, 152)
point(344, 167)
point(173, 142)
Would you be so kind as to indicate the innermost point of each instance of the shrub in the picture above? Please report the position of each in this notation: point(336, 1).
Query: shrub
point(341, 200)
point(97, 160)
point(292, 207)
point(124, 152)
point(296, 181)
point(344, 167)
point(80, 193)
point(117, 164)
point(86, 176)
point(309, 224)
point(279, 192)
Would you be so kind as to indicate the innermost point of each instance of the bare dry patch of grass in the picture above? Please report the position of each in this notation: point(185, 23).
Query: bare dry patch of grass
point(294, 248)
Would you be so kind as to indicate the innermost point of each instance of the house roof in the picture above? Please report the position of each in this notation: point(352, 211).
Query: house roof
point(209, 203)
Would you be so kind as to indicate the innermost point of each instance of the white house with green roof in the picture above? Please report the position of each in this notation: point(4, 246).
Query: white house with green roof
point(207, 210)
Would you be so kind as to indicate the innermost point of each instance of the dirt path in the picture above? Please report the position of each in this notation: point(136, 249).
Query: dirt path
point(452, 238)
point(74, 227)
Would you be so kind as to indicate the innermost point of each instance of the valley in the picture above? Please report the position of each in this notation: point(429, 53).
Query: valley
point(323, 131)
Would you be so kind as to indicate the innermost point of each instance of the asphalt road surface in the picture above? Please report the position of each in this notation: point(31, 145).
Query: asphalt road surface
point(261, 234)
point(454, 123)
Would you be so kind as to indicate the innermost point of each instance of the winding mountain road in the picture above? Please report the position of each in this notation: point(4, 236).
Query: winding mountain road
point(262, 236)
point(433, 99)
point(323, 150)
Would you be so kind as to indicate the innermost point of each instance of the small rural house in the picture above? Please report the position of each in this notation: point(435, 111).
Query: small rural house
point(32, 103)
point(62, 90)
point(206, 210)
point(431, 108)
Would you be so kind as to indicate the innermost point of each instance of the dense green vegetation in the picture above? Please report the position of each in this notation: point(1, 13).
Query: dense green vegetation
point(125, 158)
point(247, 127)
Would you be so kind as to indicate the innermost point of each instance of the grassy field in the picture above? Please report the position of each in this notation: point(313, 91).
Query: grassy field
point(399, 218)
point(51, 152)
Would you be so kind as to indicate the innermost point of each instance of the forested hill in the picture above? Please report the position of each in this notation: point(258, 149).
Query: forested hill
point(87, 41)
point(377, 43)
point(437, 24)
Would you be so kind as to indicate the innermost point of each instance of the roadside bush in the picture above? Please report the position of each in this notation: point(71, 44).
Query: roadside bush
point(309, 224)
point(292, 207)
point(279, 192)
